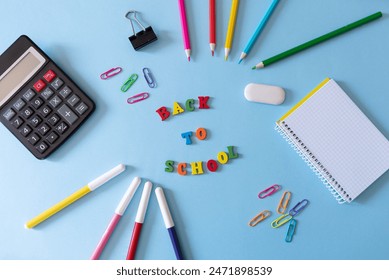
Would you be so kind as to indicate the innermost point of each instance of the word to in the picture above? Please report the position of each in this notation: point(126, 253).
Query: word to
point(201, 134)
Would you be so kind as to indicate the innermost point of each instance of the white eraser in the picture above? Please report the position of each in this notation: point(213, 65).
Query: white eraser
point(264, 94)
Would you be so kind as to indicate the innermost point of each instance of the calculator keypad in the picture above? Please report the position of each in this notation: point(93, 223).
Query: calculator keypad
point(47, 112)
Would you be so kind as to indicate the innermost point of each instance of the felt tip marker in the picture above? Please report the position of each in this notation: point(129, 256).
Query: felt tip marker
point(120, 209)
point(167, 217)
point(140, 217)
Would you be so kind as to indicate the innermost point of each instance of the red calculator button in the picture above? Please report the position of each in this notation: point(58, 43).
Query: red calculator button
point(49, 76)
point(39, 85)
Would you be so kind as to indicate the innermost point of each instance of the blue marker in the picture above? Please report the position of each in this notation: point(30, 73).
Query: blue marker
point(167, 217)
point(258, 31)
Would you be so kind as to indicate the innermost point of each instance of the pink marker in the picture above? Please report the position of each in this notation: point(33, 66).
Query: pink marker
point(184, 26)
point(120, 209)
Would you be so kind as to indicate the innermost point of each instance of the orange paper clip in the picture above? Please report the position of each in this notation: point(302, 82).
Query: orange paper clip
point(284, 201)
point(259, 218)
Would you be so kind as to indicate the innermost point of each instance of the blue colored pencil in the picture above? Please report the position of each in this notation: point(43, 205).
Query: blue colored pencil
point(259, 29)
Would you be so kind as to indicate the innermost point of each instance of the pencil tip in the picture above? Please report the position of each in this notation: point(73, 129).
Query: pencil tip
point(240, 60)
point(189, 58)
point(226, 57)
point(254, 67)
point(213, 53)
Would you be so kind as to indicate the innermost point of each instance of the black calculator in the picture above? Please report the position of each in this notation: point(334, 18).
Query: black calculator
point(39, 103)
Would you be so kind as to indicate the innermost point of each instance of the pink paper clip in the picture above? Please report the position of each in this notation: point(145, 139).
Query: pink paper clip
point(269, 191)
point(110, 73)
point(138, 97)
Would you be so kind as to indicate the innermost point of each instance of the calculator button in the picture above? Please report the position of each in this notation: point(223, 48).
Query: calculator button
point(49, 76)
point(18, 105)
point(67, 114)
point(42, 147)
point(33, 139)
point(52, 137)
point(25, 130)
point(61, 128)
point(29, 94)
point(65, 91)
point(55, 101)
point(9, 114)
point(27, 113)
point(81, 108)
point(47, 93)
point(17, 122)
point(35, 121)
point(37, 103)
point(57, 83)
point(39, 85)
point(45, 110)
point(43, 129)
point(53, 119)
point(73, 100)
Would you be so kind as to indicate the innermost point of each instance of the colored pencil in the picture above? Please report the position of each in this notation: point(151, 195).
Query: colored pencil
point(212, 26)
point(167, 217)
point(318, 40)
point(231, 28)
point(76, 196)
point(258, 30)
point(184, 27)
point(140, 217)
point(120, 209)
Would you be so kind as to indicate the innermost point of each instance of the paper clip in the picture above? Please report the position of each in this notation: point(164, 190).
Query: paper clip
point(284, 201)
point(291, 229)
point(110, 73)
point(259, 218)
point(130, 81)
point(283, 219)
point(299, 207)
point(138, 97)
point(269, 191)
point(143, 37)
point(149, 77)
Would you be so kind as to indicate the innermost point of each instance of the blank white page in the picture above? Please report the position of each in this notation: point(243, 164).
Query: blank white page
point(342, 138)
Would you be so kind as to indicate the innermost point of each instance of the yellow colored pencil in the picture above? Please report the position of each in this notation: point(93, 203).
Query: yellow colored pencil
point(231, 28)
point(75, 196)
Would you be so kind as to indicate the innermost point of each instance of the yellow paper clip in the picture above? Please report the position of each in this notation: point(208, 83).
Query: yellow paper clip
point(283, 219)
point(259, 218)
point(284, 201)
point(130, 81)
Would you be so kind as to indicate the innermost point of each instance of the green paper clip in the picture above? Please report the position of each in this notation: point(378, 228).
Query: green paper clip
point(283, 219)
point(131, 80)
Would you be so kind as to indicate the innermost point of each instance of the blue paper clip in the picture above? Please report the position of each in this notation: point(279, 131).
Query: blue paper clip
point(291, 229)
point(130, 81)
point(137, 97)
point(299, 207)
point(149, 77)
point(281, 220)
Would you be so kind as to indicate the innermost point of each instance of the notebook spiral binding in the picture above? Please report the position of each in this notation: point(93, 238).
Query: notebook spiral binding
point(328, 180)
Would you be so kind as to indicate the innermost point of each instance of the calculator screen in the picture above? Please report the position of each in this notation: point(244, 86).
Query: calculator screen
point(19, 72)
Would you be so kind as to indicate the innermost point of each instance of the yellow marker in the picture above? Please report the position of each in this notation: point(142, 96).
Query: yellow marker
point(75, 196)
point(231, 27)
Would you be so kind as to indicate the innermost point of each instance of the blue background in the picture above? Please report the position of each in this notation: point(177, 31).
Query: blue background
point(211, 211)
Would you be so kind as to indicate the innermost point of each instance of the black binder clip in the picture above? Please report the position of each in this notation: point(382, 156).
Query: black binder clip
point(142, 38)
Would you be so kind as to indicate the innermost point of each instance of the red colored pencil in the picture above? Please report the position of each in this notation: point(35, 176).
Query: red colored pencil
point(212, 26)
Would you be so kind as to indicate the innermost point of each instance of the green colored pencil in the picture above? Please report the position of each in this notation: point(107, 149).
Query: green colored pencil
point(317, 40)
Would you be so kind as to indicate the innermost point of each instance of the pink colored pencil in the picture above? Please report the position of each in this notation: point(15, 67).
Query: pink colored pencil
point(184, 27)
point(120, 209)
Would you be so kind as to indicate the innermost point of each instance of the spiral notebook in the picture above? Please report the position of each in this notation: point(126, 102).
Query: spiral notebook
point(337, 140)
